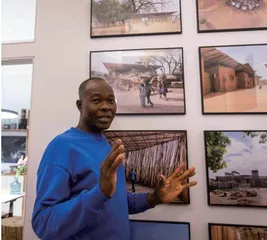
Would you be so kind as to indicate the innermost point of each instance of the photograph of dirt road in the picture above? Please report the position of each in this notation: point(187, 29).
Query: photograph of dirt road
point(135, 17)
point(148, 81)
point(219, 231)
point(149, 154)
point(236, 163)
point(234, 79)
point(231, 15)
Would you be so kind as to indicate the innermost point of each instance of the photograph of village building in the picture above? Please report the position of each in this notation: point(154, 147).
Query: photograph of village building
point(231, 15)
point(234, 79)
point(237, 232)
point(144, 81)
point(237, 168)
point(149, 154)
point(135, 17)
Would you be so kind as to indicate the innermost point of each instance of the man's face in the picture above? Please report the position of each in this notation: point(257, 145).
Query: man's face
point(98, 106)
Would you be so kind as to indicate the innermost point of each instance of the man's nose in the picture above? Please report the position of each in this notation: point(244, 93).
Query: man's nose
point(105, 106)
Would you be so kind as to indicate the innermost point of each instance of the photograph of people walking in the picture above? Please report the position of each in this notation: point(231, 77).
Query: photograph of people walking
point(149, 154)
point(234, 79)
point(236, 168)
point(145, 81)
point(135, 17)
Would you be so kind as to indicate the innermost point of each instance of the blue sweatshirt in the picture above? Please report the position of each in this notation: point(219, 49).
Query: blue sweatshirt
point(69, 203)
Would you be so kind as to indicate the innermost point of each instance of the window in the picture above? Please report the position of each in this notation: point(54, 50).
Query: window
point(18, 20)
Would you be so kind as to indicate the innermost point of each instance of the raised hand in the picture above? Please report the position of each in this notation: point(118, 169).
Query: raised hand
point(108, 171)
point(168, 189)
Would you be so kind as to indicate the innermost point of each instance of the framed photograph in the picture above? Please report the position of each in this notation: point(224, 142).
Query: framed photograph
point(150, 153)
point(121, 18)
point(234, 79)
point(236, 168)
point(231, 15)
point(158, 230)
point(13, 147)
point(145, 81)
point(220, 231)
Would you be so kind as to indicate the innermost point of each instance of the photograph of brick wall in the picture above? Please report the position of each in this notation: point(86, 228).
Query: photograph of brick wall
point(150, 153)
point(135, 17)
point(236, 168)
point(237, 232)
point(231, 15)
point(234, 79)
point(145, 81)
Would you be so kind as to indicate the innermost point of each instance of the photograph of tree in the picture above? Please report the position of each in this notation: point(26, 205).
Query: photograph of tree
point(149, 81)
point(231, 15)
point(219, 231)
point(135, 17)
point(157, 230)
point(236, 168)
point(234, 79)
point(149, 154)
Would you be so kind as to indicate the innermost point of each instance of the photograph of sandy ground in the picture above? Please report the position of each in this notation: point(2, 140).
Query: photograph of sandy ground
point(144, 81)
point(237, 168)
point(232, 14)
point(237, 232)
point(234, 79)
point(135, 17)
point(150, 153)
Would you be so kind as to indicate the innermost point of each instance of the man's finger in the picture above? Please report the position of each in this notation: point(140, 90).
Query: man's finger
point(177, 172)
point(186, 174)
point(163, 180)
point(188, 185)
point(117, 162)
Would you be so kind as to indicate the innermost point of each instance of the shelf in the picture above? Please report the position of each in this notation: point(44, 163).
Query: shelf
point(14, 132)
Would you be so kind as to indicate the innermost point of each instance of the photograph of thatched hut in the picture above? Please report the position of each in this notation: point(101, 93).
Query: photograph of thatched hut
point(219, 231)
point(145, 81)
point(150, 153)
point(232, 79)
point(231, 15)
point(236, 168)
point(135, 17)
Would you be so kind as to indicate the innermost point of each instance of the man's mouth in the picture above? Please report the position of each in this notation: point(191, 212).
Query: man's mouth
point(104, 119)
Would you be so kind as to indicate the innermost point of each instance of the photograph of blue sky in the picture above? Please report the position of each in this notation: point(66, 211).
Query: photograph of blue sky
point(244, 155)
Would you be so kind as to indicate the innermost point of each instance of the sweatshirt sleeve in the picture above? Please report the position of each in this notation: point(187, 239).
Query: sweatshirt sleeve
point(137, 202)
point(55, 215)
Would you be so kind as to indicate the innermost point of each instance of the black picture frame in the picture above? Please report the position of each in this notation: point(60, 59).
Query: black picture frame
point(175, 231)
point(231, 230)
point(231, 186)
point(155, 19)
point(218, 70)
point(209, 25)
point(136, 140)
point(174, 105)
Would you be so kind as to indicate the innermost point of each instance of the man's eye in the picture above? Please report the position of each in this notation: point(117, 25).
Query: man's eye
point(96, 101)
point(111, 101)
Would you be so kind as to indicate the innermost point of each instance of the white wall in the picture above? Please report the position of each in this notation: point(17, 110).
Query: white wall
point(61, 63)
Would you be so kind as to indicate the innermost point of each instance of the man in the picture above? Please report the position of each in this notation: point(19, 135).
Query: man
point(81, 189)
point(132, 179)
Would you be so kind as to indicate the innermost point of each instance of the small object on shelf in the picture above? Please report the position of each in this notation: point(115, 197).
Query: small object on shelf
point(23, 119)
point(12, 228)
point(15, 186)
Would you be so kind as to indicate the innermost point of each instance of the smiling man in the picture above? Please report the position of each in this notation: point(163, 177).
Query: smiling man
point(81, 189)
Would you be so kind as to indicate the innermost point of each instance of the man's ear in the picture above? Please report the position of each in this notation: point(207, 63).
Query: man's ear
point(79, 105)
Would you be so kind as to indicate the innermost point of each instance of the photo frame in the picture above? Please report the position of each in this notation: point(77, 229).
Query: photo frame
point(158, 230)
point(145, 81)
point(150, 153)
point(236, 168)
point(135, 18)
point(218, 231)
point(229, 16)
point(233, 79)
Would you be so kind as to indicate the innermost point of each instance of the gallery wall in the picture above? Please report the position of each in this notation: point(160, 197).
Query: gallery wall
point(61, 62)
